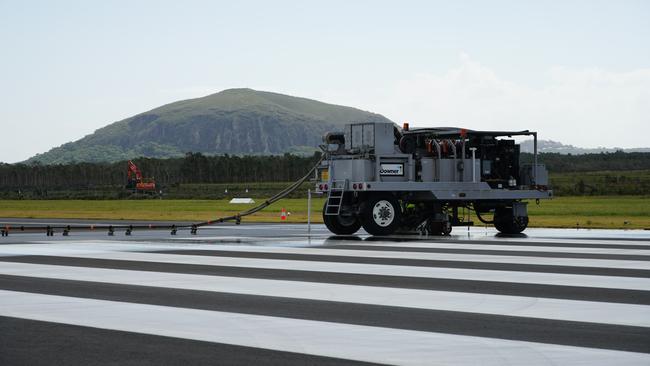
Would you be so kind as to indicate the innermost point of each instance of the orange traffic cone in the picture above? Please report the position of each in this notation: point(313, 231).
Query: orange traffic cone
point(283, 215)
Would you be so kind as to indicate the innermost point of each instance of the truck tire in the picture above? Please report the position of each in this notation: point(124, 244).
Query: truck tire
point(381, 215)
point(341, 225)
point(506, 223)
point(442, 228)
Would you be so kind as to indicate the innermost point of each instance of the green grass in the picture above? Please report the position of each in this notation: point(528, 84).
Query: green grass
point(626, 212)
point(153, 209)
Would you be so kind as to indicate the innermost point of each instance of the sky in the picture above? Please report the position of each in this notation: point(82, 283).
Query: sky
point(575, 71)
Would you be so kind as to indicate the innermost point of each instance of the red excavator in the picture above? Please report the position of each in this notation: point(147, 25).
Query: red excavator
point(138, 184)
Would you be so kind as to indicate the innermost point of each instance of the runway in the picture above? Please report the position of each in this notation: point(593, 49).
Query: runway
point(271, 294)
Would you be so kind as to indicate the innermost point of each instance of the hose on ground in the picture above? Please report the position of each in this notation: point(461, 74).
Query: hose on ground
point(278, 196)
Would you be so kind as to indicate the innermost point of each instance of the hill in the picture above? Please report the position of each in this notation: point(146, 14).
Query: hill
point(550, 146)
point(234, 121)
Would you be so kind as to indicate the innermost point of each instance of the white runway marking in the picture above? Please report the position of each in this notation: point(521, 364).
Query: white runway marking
point(637, 241)
point(573, 262)
point(363, 343)
point(108, 246)
point(628, 283)
point(106, 250)
point(568, 310)
point(505, 248)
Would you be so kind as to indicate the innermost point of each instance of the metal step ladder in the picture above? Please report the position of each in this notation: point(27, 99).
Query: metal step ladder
point(335, 197)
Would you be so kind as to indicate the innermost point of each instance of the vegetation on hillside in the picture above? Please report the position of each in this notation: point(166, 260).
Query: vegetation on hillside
point(550, 146)
point(234, 121)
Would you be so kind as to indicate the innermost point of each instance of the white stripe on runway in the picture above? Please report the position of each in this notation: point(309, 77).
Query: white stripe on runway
point(505, 248)
point(476, 232)
point(353, 342)
point(568, 310)
point(71, 248)
point(638, 241)
point(628, 283)
point(112, 246)
point(573, 262)
point(225, 243)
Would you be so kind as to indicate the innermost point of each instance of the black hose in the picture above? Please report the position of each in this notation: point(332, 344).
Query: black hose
point(480, 218)
point(278, 196)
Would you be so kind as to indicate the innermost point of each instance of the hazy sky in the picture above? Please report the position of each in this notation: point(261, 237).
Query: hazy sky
point(576, 71)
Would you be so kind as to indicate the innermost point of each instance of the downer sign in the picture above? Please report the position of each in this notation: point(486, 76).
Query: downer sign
point(392, 169)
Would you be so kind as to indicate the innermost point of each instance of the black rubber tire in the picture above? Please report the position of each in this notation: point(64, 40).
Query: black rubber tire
point(341, 225)
point(367, 217)
point(441, 228)
point(506, 223)
point(446, 228)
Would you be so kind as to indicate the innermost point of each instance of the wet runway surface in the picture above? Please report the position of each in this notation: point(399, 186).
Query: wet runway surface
point(271, 294)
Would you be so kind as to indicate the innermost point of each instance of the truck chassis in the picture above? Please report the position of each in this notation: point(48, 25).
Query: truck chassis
point(389, 180)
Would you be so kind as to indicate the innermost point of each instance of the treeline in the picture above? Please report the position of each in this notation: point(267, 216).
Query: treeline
point(200, 176)
point(193, 168)
point(608, 182)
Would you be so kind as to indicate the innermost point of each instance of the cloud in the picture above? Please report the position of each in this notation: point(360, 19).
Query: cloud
point(588, 107)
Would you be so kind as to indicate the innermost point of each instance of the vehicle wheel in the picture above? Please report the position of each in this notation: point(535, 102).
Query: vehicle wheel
point(381, 215)
point(446, 228)
point(441, 228)
point(505, 222)
point(341, 225)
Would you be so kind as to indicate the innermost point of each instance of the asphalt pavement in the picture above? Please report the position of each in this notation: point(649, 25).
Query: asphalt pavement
point(285, 294)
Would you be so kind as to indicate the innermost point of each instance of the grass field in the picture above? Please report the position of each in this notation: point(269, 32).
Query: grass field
point(622, 212)
point(625, 212)
point(190, 210)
